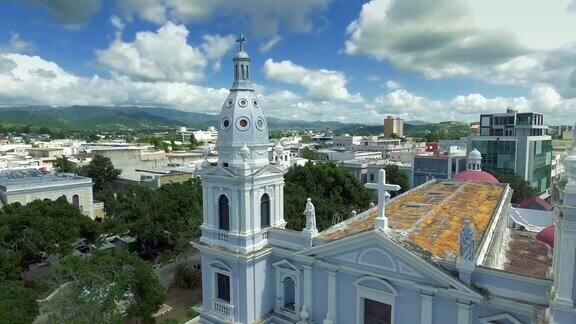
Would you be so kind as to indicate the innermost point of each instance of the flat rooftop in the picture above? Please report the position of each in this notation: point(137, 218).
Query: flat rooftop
point(525, 255)
point(26, 177)
point(431, 215)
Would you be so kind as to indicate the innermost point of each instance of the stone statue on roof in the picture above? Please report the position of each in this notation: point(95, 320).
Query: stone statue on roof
point(467, 241)
point(310, 214)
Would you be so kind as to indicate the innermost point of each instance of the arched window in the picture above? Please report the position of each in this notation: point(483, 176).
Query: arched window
point(76, 201)
point(247, 72)
point(224, 213)
point(242, 74)
point(289, 294)
point(265, 211)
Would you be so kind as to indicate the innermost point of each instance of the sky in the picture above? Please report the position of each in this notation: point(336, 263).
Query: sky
point(336, 60)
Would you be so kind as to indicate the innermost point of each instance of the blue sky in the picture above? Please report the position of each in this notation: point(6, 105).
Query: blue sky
point(344, 60)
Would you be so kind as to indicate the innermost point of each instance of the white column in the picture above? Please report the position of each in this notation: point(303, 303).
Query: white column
point(331, 298)
point(427, 300)
point(566, 270)
point(308, 286)
point(463, 313)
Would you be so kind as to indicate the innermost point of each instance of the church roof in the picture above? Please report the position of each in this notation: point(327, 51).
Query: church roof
point(430, 216)
point(475, 175)
point(525, 254)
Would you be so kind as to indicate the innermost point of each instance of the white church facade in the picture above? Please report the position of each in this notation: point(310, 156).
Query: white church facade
point(443, 252)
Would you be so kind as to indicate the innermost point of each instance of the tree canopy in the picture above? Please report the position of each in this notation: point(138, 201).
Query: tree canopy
point(334, 192)
point(103, 289)
point(101, 170)
point(171, 215)
point(17, 303)
point(522, 188)
point(62, 164)
point(42, 227)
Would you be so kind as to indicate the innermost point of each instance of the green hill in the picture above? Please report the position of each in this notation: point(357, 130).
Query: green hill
point(103, 118)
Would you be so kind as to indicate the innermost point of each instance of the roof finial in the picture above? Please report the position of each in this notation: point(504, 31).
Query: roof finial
point(240, 40)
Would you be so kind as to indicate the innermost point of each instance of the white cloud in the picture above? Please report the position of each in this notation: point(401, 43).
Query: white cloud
point(393, 85)
point(322, 85)
point(17, 45)
point(33, 80)
point(439, 42)
point(264, 17)
point(28, 79)
point(164, 55)
point(267, 46)
point(555, 27)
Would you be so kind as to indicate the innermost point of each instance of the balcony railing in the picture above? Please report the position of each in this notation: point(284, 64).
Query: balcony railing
point(223, 237)
point(223, 308)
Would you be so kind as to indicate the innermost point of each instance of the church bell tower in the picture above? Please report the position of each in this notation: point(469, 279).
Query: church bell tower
point(243, 193)
point(243, 201)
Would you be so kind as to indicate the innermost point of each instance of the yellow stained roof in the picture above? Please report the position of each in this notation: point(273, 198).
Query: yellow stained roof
point(431, 215)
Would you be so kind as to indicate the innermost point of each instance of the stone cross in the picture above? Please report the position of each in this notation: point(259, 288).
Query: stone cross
point(241, 39)
point(381, 221)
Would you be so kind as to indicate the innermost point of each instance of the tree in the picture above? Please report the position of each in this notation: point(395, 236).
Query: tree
point(307, 153)
point(170, 215)
point(522, 188)
point(17, 303)
point(104, 289)
point(101, 170)
point(62, 164)
point(396, 176)
point(332, 189)
point(10, 265)
point(41, 228)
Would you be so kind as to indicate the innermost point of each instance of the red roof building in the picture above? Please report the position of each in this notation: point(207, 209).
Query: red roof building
point(535, 202)
point(473, 170)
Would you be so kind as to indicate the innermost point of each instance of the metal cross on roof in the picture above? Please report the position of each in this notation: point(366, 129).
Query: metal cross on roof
point(382, 187)
point(241, 39)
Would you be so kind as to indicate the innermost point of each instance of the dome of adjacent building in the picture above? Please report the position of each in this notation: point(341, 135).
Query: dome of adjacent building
point(473, 170)
point(473, 175)
point(547, 236)
point(475, 154)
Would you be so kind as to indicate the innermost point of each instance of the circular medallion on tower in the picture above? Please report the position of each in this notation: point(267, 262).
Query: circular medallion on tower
point(230, 102)
point(255, 103)
point(260, 123)
point(242, 123)
point(242, 102)
point(225, 124)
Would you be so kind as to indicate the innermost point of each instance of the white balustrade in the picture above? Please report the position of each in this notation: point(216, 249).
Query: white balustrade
point(222, 307)
point(223, 236)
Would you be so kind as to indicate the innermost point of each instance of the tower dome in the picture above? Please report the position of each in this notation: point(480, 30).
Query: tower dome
point(242, 121)
point(474, 171)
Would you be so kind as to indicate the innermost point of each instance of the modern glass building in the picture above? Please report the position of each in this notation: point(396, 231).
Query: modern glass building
point(516, 142)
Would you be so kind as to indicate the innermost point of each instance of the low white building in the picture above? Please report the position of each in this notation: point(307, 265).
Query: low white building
point(27, 185)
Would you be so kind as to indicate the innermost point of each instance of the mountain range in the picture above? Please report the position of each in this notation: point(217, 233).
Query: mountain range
point(105, 118)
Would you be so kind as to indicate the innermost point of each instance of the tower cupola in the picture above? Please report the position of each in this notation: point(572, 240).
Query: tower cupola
point(242, 121)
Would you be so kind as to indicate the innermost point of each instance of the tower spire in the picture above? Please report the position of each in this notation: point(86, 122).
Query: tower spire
point(241, 67)
point(240, 40)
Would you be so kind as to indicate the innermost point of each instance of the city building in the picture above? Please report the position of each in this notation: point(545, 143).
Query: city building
point(375, 143)
point(443, 252)
point(210, 135)
point(27, 185)
point(347, 141)
point(516, 142)
point(436, 165)
point(393, 126)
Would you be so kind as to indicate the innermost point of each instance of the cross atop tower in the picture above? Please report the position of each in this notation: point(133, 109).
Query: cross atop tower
point(240, 40)
point(381, 221)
